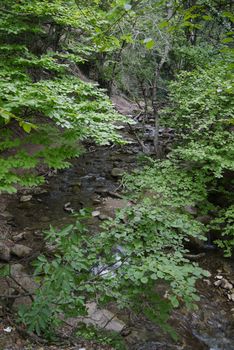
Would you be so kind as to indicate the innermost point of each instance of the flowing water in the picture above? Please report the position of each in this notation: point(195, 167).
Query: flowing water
point(89, 183)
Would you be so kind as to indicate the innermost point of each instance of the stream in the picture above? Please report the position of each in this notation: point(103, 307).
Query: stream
point(90, 183)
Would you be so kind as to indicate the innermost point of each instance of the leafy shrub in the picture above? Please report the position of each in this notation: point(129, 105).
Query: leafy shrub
point(85, 268)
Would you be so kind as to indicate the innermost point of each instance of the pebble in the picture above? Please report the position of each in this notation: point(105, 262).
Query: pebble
point(218, 277)
point(95, 213)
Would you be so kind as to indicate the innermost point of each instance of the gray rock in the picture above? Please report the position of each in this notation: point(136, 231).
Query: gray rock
point(20, 250)
point(117, 172)
point(6, 215)
point(19, 237)
point(231, 296)
point(102, 318)
point(95, 213)
point(5, 252)
point(26, 198)
point(225, 284)
point(104, 217)
point(217, 283)
point(23, 283)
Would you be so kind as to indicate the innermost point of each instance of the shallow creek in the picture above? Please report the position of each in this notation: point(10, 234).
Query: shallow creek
point(88, 183)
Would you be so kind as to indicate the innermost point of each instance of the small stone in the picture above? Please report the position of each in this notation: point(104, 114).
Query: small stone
point(104, 217)
point(18, 237)
point(26, 198)
point(117, 172)
point(96, 201)
point(219, 277)
point(8, 329)
point(67, 207)
point(225, 284)
point(95, 213)
point(218, 283)
point(20, 250)
point(5, 253)
point(102, 191)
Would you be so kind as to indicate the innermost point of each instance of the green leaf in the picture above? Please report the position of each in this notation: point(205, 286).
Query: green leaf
point(149, 43)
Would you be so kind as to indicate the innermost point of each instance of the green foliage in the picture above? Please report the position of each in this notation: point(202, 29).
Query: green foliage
point(41, 43)
point(85, 268)
point(101, 337)
point(224, 224)
point(202, 111)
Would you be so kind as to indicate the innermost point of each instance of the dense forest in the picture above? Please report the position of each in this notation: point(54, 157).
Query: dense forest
point(145, 80)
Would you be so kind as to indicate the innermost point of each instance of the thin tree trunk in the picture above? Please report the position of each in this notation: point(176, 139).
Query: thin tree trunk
point(155, 91)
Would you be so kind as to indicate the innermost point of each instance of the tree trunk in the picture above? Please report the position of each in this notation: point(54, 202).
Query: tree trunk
point(157, 73)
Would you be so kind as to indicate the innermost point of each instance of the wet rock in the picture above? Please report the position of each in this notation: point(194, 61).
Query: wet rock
point(231, 296)
point(219, 277)
point(23, 283)
point(6, 215)
point(19, 237)
point(225, 284)
point(217, 283)
point(103, 217)
point(96, 201)
point(102, 318)
point(102, 191)
point(5, 252)
point(117, 172)
point(67, 207)
point(26, 198)
point(20, 250)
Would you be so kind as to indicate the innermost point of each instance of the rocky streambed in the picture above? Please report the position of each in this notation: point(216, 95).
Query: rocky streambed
point(93, 181)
